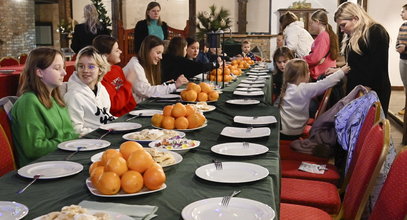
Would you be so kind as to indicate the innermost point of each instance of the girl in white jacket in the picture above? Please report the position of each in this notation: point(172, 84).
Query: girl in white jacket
point(87, 99)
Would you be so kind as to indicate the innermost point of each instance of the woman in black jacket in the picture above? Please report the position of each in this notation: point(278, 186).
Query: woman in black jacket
point(174, 62)
point(152, 25)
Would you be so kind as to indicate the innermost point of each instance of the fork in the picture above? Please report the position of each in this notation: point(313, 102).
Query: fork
point(218, 164)
point(77, 151)
point(29, 184)
point(106, 133)
point(226, 199)
point(245, 144)
point(134, 117)
point(249, 129)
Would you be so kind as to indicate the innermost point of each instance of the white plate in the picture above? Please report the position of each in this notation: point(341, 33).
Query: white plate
point(238, 208)
point(238, 149)
point(178, 158)
point(259, 70)
point(248, 89)
point(127, 137)
point(50, 169)
point(180, 90)
point(260, 120)
point(89, 144)
point(121, 193)
point(258, 77)
point(179, 150)
point(112, 215)
point(253, 81)
point(256, 74)
point(254, 85)
point(232, 172)
point(243, 101)
point(248, 93)
point(121, 126)
point(209, 107)
point(186, 130)
point(12, 210)
point(237, 132)
point(146, 112)
point(167, 96)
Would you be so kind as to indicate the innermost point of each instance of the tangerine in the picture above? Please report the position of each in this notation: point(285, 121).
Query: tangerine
point(202, 97)
point(96, 174)
point(94, 165)
point(194, 120)
point(129, 147)
point(167, 110)
point(194, 86)
point(190, 95)
point(117, 165)
point(181, 123)
point(110, 153)
point(154, 177)
point(156, 119)
point(168, 122)
point(202, 119)
point(205, 87)
point(178, 110)
point(190, 110)
point(109, 183)
point(132, 181)
point(139, 161)
point(213, 96)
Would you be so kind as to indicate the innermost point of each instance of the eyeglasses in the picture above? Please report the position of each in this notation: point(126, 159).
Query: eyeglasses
point(90, 67)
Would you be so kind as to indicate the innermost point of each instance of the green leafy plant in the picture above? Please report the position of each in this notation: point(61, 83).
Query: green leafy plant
point(213, 21)
point(103, 18)
point(64, 28)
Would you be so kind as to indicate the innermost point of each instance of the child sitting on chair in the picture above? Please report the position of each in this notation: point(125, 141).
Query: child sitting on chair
point(246, 50)
point(296, 94)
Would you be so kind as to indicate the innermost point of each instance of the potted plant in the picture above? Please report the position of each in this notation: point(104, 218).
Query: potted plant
point(213, 21)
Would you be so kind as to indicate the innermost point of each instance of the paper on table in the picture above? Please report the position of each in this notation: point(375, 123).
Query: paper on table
point(138, 212)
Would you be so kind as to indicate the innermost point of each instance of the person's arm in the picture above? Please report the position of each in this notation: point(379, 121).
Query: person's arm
point(320, 50)
point(77, 113)
point(165, 30)
point(313, 89)
point(76, 39)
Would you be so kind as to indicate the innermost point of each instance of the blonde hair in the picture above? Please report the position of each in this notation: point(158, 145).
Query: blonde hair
point(100, 60)
point(92, 18)
point(322, 17)
point(294, 70)
point(349, 11)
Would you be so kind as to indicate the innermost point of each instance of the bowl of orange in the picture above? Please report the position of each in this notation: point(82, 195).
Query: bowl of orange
point(202, 92)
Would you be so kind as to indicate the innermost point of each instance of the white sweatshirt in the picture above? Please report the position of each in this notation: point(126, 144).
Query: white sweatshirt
point(142, 89)
point(294, 109)
point(88, 112)
point(298, 39)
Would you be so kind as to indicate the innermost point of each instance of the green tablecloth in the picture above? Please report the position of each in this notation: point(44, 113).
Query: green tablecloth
point(183, 187)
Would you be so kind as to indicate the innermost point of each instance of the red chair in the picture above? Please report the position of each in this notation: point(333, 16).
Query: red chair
point(7, 162)
point(321, 109)
point(287, 153)
point(289, 168)
point(392, 200)
point(22, 58)
point(325, 195)
point(9, 61)
point(6, 104)
point(300, 212)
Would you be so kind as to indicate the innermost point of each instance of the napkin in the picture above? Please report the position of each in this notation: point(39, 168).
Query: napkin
point(138, 212)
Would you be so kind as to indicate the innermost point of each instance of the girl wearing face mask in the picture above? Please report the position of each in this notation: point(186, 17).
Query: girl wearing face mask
point(40, 120)
point(87, 99)
point(145, 67)
point(118, 87)
point(152, 25)
point(280, 58)
point(366, 49)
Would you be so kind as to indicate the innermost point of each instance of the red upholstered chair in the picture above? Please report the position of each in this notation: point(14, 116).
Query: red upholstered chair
point(8, 61)
point(321, 109)
point(325, 196)
point(392, 200)
point(286, 153)
point(6, 103)
point(7, 162)
point(22, 58)
point(300, 212)
point(289, 168)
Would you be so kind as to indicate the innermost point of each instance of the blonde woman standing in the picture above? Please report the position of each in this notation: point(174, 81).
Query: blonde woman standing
point(366, 49)
point(85, 33)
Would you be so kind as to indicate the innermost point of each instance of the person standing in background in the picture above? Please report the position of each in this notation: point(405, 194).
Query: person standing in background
point(401, 49)
point(85, 33)
point(152, 25)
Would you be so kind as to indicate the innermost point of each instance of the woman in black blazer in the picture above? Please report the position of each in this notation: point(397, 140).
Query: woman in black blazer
point(152, 25)
point(85, 33)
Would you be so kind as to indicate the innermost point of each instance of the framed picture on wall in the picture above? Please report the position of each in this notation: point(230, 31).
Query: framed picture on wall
point(43, 34)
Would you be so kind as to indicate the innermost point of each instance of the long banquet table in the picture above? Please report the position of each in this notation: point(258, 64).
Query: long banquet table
point(183, 187)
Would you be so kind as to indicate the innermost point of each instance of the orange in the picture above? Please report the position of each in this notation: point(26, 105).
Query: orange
point(194, 120)
point(226, 71)
point(156, 119)
point(139, 161)
point(205, 87)
point(129, 147)
point(190, 110)
point(117, 165)
point(213, 96)
point(109, 183)
point(167, 110)
point(193, 86)
point(181, 122)
point(234, 62)
point(178, 110)
point(190, 95)
point(132, 181)
point(228, 78)
point(202, 119)
point(168, 122)
point(94, 165)
point(202, 97)
point(110, 153)
point(154, 177)
point(96, 174)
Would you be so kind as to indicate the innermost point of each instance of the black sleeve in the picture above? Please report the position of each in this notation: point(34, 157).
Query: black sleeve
point(165, 30)
point(140, 33)
point(173, 67)
point(75, 45)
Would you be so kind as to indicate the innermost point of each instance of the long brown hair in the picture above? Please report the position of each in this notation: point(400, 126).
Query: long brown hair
point(150, 6)
point(322, 17)
point(294, 70)
point(153, 72)
point(39, 58)
point(281, 52)
point(176, 46)
point(287, 19)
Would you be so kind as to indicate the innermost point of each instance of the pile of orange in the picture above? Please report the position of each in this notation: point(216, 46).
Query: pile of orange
point(129, 169)
point(178, 116)
point(201, 93)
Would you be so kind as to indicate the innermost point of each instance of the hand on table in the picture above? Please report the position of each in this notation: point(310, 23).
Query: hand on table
point(181, 80)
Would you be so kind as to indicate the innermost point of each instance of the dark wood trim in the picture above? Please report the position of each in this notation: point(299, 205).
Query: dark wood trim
point(116, 17)
point(242, 16)
point(397, 88)
point(192, 18)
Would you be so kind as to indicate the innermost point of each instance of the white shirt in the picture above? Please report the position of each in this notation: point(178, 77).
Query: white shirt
point(142, 89)
point(298, 39)
point(294, 109)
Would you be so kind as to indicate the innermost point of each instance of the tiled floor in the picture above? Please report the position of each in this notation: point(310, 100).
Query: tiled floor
point(397, 100)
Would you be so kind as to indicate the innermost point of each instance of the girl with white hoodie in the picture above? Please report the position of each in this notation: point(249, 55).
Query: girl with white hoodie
point(87, 99)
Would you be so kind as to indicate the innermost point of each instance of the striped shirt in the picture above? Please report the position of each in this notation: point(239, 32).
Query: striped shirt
point(402, 39)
